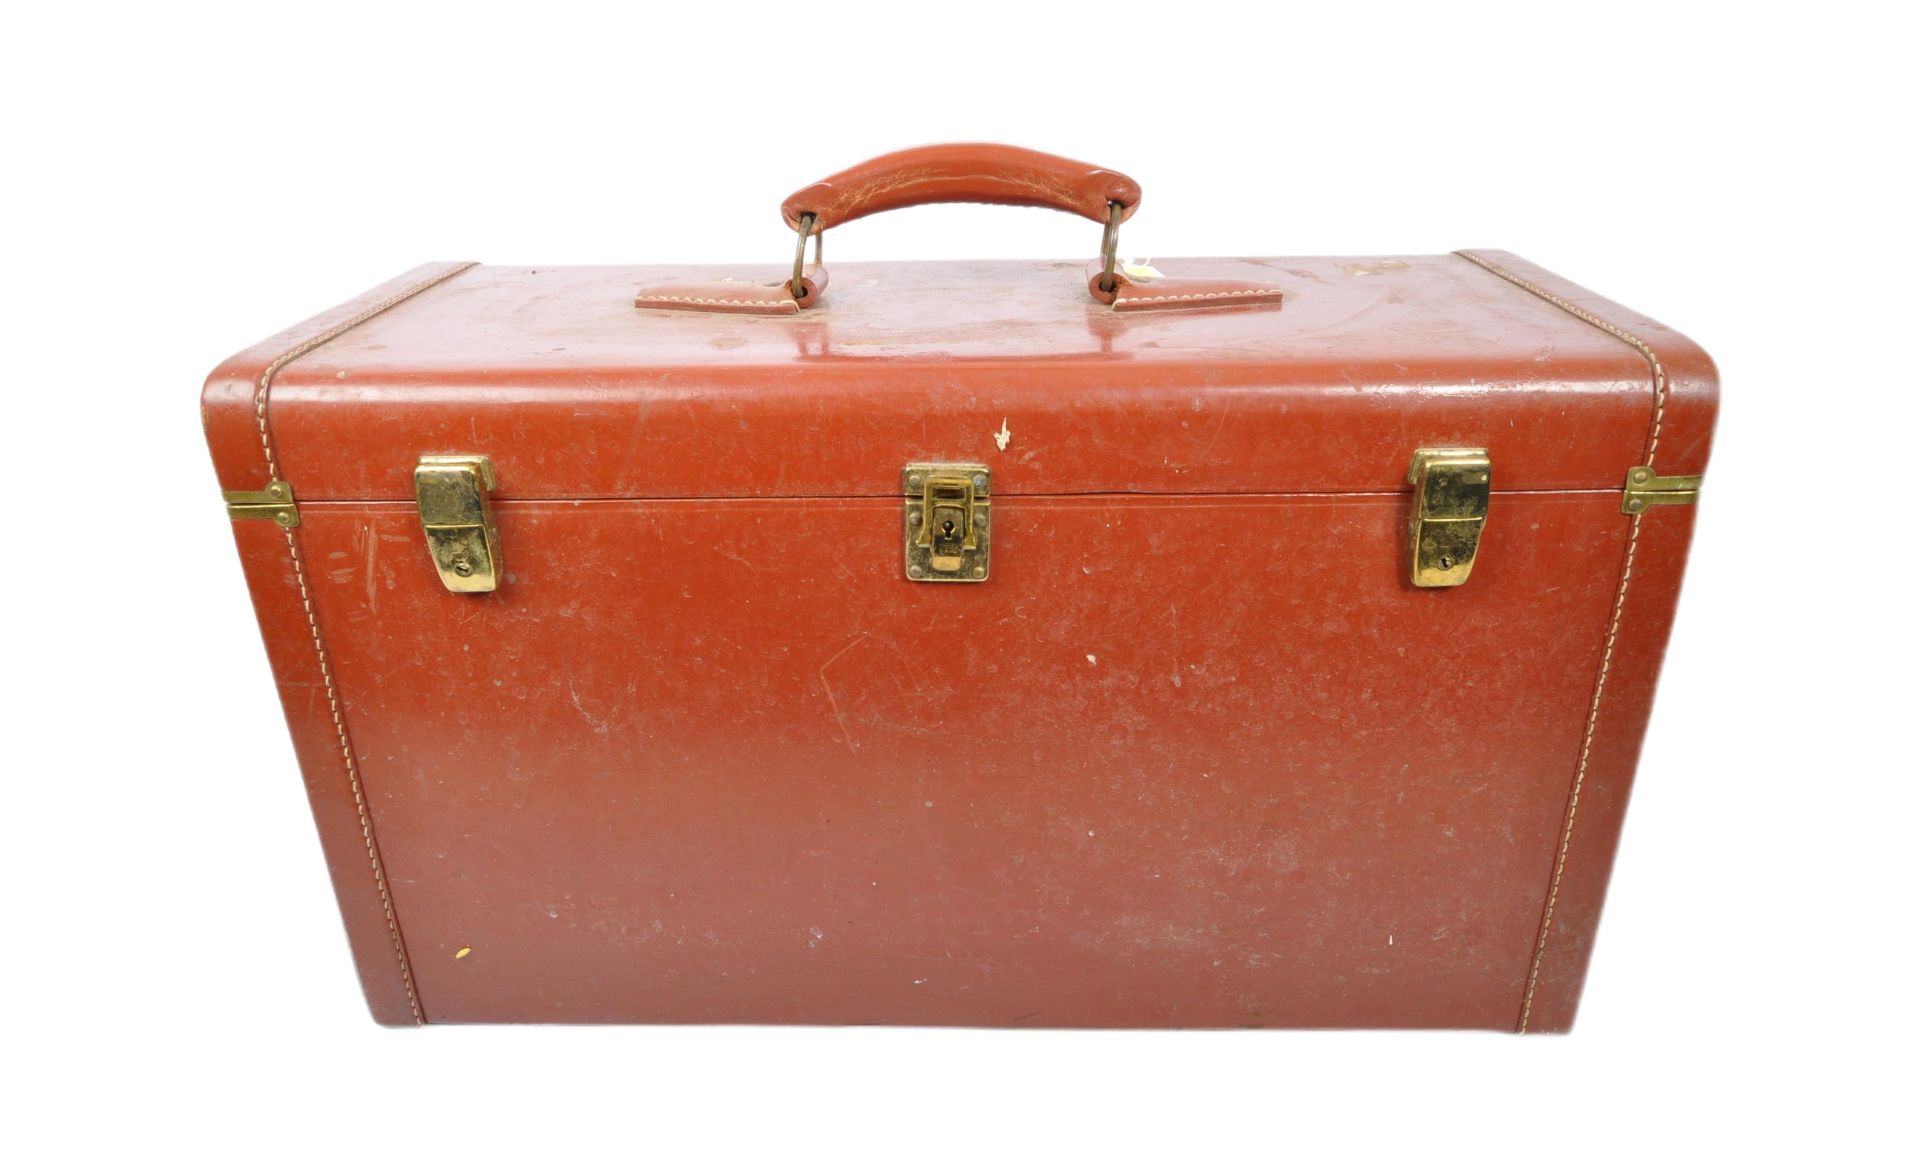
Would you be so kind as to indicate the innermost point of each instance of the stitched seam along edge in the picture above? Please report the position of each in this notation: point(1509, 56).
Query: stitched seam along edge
point(727, 304)
point(1147, 302)
point(313, 623)
point(1613, 623)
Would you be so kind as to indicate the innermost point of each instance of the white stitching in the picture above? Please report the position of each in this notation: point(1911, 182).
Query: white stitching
point(1646, 351)
point(353, 780)
point(313, 623)
point(787, 306)
point(1613, 624)
point(1580, 774)
point(1146, 301)
point(313, 343)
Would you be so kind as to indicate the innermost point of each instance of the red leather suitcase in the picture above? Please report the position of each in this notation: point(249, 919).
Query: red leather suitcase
point(1231, 642)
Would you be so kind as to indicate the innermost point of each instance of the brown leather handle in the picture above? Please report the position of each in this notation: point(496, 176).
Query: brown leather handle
point(990, 174)
point(942, 174)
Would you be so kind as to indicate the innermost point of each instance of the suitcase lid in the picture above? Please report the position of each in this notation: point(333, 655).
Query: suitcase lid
point(576, 394)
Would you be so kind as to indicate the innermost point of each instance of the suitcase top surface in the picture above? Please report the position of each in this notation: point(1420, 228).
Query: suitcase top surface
point(575, 393)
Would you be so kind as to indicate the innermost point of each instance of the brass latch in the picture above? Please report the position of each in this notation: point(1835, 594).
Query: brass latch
point(275, 502)
point(1645, 488)
point(949, 520)
point(1450, 489)
point(458, 520)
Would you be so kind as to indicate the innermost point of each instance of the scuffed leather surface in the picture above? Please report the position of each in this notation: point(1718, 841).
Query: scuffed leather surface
point(576, 394)
point(1693, 390)
point(1181, 761)
point(1195, 755)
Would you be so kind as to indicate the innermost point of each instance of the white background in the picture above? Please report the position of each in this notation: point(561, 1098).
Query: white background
point(183, 181)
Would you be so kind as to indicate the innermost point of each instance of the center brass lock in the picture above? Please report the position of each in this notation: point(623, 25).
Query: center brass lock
point(949, 514)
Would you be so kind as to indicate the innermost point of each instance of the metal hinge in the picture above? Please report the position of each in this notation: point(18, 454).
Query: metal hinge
point(458, 520)
point(275, 502)
point(949, 521)
point(1450, 490)
point(1645, 488)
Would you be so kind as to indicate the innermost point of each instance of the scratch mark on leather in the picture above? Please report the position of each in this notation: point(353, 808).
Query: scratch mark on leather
point(634, 437)
point(373, 577)
point(733, 557)
point(600, 725)
point(1226, 415)
point(839, 718)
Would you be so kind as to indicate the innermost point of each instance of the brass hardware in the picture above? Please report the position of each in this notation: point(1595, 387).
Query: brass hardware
point(1645, 489)
point(276, 502)
point(949, 519)
point(1109, 250)
point(458, 520)
point(796, 287)
point(1110, 247)
point(1450, 489)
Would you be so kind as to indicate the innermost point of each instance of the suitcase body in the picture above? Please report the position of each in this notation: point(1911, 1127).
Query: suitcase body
point(1168, 730)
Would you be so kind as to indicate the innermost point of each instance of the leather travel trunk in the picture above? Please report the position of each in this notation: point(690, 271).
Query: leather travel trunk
point(987, 643)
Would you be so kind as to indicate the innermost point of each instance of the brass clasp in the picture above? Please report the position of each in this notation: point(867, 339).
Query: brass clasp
point(949, 520)
point(1450, 489)
point(458, 520)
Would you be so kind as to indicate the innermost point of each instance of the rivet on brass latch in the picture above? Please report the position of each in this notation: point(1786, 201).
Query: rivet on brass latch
point(275, 502)
point(458, 520)
point(1450, 489)
point(949, 521)
point(1645, 488)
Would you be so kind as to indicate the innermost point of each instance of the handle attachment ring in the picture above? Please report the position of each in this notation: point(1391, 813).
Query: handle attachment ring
point(1109, 251)
point(1110, 247)
point(798, 286)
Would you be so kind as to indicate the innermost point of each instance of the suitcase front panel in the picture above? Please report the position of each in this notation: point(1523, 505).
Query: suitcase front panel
point(688, 765)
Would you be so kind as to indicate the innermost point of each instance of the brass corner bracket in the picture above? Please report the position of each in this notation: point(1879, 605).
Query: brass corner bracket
point(274, 502)
point(1645, 489)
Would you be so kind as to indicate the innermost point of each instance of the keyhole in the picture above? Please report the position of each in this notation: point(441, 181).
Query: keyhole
point(946, 528)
